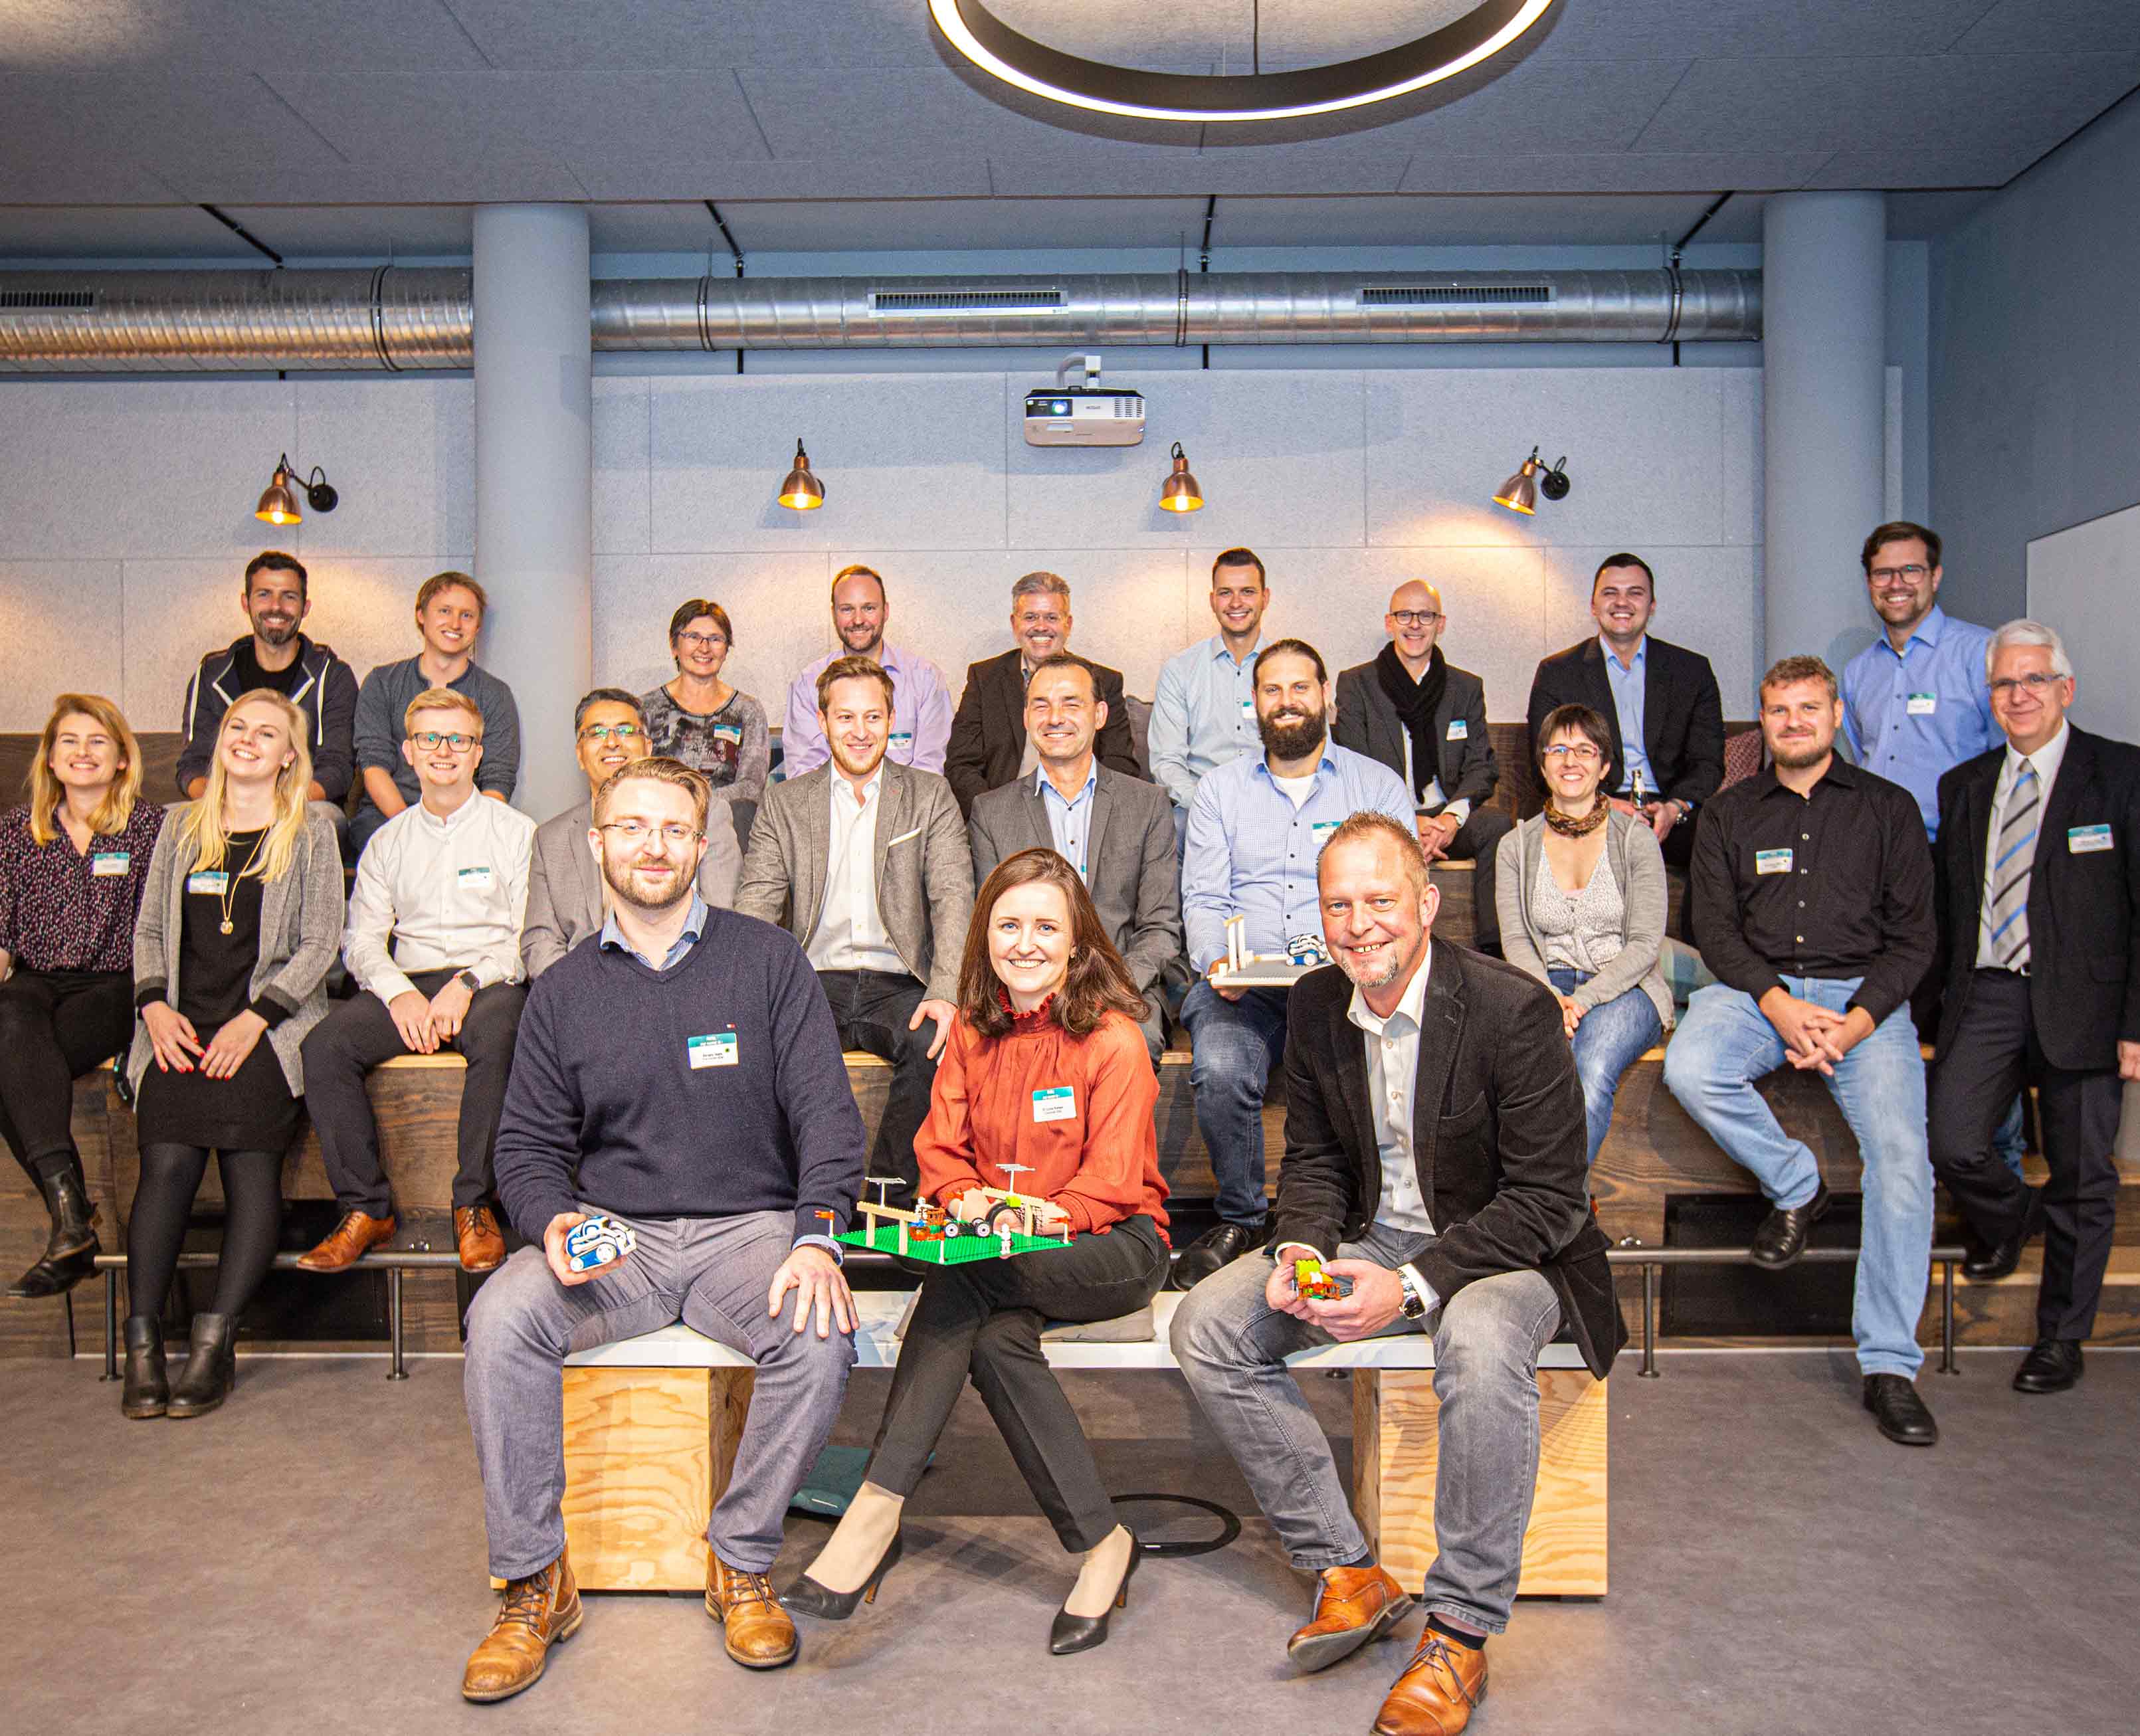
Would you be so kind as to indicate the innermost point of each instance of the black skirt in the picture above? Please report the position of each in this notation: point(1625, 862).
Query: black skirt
point(250, 1112)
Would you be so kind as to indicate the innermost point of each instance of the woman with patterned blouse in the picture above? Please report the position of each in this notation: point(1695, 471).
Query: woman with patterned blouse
point(699, 718)
point(73, 860)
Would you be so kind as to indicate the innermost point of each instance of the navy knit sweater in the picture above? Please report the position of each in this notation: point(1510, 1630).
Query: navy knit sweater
point(606, 1105)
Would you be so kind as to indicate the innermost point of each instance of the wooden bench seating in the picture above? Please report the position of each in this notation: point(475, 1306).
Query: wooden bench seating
point(652, 1423)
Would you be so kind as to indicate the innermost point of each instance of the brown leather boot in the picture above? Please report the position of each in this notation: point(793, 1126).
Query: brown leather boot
point(475, 1234)
point(347, 1242)
point(538, 1613)
point(760, 1634)
point(1438, 1692)
point(1352, 1605)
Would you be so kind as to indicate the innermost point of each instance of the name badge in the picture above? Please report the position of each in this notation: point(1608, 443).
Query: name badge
point(474, 879)
point(208, 883)
point(1056, 1103)
point(109, 864)
point(1323, 828)
point(1772, 861)
point(2082, 839)
point(728, 732)
point(901, 742)
point(1248, 711)
point(1459, 730)
point(1921, 705)
point(717, 1049)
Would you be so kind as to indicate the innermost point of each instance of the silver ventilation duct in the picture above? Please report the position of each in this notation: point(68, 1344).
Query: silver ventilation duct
point(396, 319)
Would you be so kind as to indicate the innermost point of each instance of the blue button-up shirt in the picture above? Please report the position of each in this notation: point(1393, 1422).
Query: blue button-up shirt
point(1070, 821)
point(1203, 715)
point(695, 925)
point(1630, 690)
point(1913, 717)
point(1252, 853)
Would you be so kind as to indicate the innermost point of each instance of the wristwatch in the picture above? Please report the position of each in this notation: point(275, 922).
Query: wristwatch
point(1414, 1305)
point(468, 980)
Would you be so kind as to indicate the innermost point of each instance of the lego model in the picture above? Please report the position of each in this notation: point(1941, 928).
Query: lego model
point(1245, 969)
point(931, 1234)
point(598, 1242)
point(1317, 1285)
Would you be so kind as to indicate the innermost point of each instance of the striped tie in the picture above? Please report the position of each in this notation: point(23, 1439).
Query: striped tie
point(2009, 873)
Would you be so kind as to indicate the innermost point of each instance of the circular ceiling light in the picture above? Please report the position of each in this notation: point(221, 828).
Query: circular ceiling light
point(993, 46)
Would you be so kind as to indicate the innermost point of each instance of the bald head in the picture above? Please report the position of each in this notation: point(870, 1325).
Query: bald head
point(1414, 623)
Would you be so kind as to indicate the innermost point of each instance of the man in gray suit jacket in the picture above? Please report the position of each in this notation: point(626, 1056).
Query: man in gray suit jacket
point(564, 881)
point(1117, 831)
point(1426, 719)
point(865, 862)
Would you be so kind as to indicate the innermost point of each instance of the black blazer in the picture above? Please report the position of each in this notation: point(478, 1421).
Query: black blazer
point(1499, 1131)
point(988, 733)
point(1367, 723)
point(1682, 712)
point(2083, 909)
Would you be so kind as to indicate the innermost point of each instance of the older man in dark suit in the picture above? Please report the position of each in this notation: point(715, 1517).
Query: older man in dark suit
point(1435, 1147)
point(989, 748)
point(1116, 831)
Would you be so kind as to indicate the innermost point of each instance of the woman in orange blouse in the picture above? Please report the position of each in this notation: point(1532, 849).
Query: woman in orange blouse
point(1046, 1067)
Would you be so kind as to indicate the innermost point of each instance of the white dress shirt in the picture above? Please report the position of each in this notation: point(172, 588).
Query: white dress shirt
point(2046, 761)
point(849, 934)
point(440, 895)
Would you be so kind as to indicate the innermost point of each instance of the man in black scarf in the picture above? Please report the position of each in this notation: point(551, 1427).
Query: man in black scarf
point(1426, 719)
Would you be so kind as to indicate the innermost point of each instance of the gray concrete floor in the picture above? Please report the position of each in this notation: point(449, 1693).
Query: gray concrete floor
point(311, 1558)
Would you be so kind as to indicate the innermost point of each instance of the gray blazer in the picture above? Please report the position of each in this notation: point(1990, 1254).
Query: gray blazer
point(1133, 873)
point(925, 871)
point(300, 916)
point(1632, 851)
point(1367, 723)
point(565, 887)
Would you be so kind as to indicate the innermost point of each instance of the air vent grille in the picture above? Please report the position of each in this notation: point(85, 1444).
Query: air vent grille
point(964, 300)
point(1452, 295)
point(48, 298)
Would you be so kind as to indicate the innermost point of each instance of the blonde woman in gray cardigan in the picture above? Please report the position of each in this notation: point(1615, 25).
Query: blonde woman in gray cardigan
point(1580, 893)
point(239, 922)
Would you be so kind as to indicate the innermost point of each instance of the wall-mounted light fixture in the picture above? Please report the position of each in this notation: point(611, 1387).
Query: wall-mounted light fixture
point(800, 487)
point(279, 500)
point(1520, 494)
point(1181, 493)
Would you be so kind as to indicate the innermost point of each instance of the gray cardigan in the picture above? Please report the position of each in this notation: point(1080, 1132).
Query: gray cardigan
point(1639, 866)
point(300, 918)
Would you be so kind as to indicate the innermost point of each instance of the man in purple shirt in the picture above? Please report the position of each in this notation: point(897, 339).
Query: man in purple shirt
point(921, 703)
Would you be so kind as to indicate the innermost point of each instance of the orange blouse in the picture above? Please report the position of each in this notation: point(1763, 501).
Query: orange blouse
point(997, 1099)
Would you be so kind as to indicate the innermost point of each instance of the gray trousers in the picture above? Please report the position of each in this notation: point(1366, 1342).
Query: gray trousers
point(1231, 1344)
point(713, 1274)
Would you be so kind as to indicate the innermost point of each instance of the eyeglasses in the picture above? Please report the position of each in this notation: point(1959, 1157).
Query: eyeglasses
point(611, 732)
point(700, 641)
point(638, 831)
point(1582, 753)
point(1888, 575)
point(1414, 617)
point(2006, 686)
point(431, 739)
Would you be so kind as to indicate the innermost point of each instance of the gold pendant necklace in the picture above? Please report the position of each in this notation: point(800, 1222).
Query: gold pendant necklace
point(228, 896)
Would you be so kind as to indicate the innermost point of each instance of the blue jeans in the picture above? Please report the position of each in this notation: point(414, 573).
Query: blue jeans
point(1611, 1037)
point(1234, 1044)
point(1724, 1044)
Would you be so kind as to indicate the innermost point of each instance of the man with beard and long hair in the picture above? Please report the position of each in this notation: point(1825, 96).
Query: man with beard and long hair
point(1255, 829)
point(682, 1076)
point(1811, 890)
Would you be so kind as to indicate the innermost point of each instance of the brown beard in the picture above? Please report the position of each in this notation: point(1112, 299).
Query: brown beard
point(1293, 741)
point(685, 885)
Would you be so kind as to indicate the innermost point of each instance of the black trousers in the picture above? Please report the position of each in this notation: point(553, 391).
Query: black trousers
point(355, 1036)
point(985, 1320)
point(871, 1009)
point(55, 1026)
point(1994, 1053)
point(1478, 842)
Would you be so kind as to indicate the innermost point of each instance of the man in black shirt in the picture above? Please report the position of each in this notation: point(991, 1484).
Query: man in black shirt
point(1811, 891)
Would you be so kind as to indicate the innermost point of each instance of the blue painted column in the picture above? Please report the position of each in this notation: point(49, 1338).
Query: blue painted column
point(534, 480)
point(1824, 345)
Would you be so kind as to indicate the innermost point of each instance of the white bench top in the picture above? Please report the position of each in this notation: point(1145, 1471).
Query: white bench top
point(678, 1346)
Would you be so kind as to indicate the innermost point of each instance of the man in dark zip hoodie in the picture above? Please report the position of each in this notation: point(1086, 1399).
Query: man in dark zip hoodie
point(275, 654)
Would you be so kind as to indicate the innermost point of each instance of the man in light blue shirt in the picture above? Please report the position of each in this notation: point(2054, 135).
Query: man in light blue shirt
point(921, 702)
point(1630, 685)
point(1203, 711)
point(1256, 829)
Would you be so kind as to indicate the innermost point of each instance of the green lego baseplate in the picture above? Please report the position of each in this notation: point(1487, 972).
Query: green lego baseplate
point(951, 1250)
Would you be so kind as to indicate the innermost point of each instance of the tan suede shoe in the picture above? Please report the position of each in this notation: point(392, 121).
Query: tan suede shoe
point(538, 1613)
point(1352, 1605)
point(1438, 1692)
point(760, 1634)
point(347, 1242)
point(476, 1237)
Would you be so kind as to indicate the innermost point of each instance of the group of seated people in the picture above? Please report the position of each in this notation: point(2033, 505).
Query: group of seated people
point(1971, 825)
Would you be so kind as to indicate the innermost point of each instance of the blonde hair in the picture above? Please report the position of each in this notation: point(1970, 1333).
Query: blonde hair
point(656, 768)
point(47, 792)
point(440, 698)
point(201, 831)
point(450, 581)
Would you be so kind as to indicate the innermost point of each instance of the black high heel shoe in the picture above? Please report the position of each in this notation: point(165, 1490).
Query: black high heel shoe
point(812, 1599)
point(1081, 1633)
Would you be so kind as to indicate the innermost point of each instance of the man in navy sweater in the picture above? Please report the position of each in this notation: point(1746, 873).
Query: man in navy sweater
point(680, 1074)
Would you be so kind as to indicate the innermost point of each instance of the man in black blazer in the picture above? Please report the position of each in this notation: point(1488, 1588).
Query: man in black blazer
point(1116, 831)
point(988, 746)
point(1660, 700)
point(2040, 890)
point(1435, 1153)
point(1426, 719)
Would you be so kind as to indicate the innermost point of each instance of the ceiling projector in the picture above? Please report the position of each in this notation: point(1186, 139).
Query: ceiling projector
point(1084, 415)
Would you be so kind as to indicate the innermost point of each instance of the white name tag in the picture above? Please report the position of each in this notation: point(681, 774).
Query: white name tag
point(1921, 705)
point(718, 1050)
point(1772, 861)
point(727, 733)
point(474, 879)
point(901, 742)
point(2084, 840)
point(1323, 828)
point(208, 883)
point(1056, 1103)
point(108, 864)
point(1459, 730)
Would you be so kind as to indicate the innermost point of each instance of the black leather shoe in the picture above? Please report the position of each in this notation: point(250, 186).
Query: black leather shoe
point(1782, 1237)
point(2051, 1367)
point(1213, 1249)
point(1899, 1411)
point(810, 1598)
point(210, 1371)
point(71, 1249)
point(1081, 1633)
point(1986, 1263)
point(147, 1389)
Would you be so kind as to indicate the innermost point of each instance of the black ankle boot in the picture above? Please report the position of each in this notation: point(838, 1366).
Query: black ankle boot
point(205, 1382)
point(148, 1389)
point(71, 1249)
